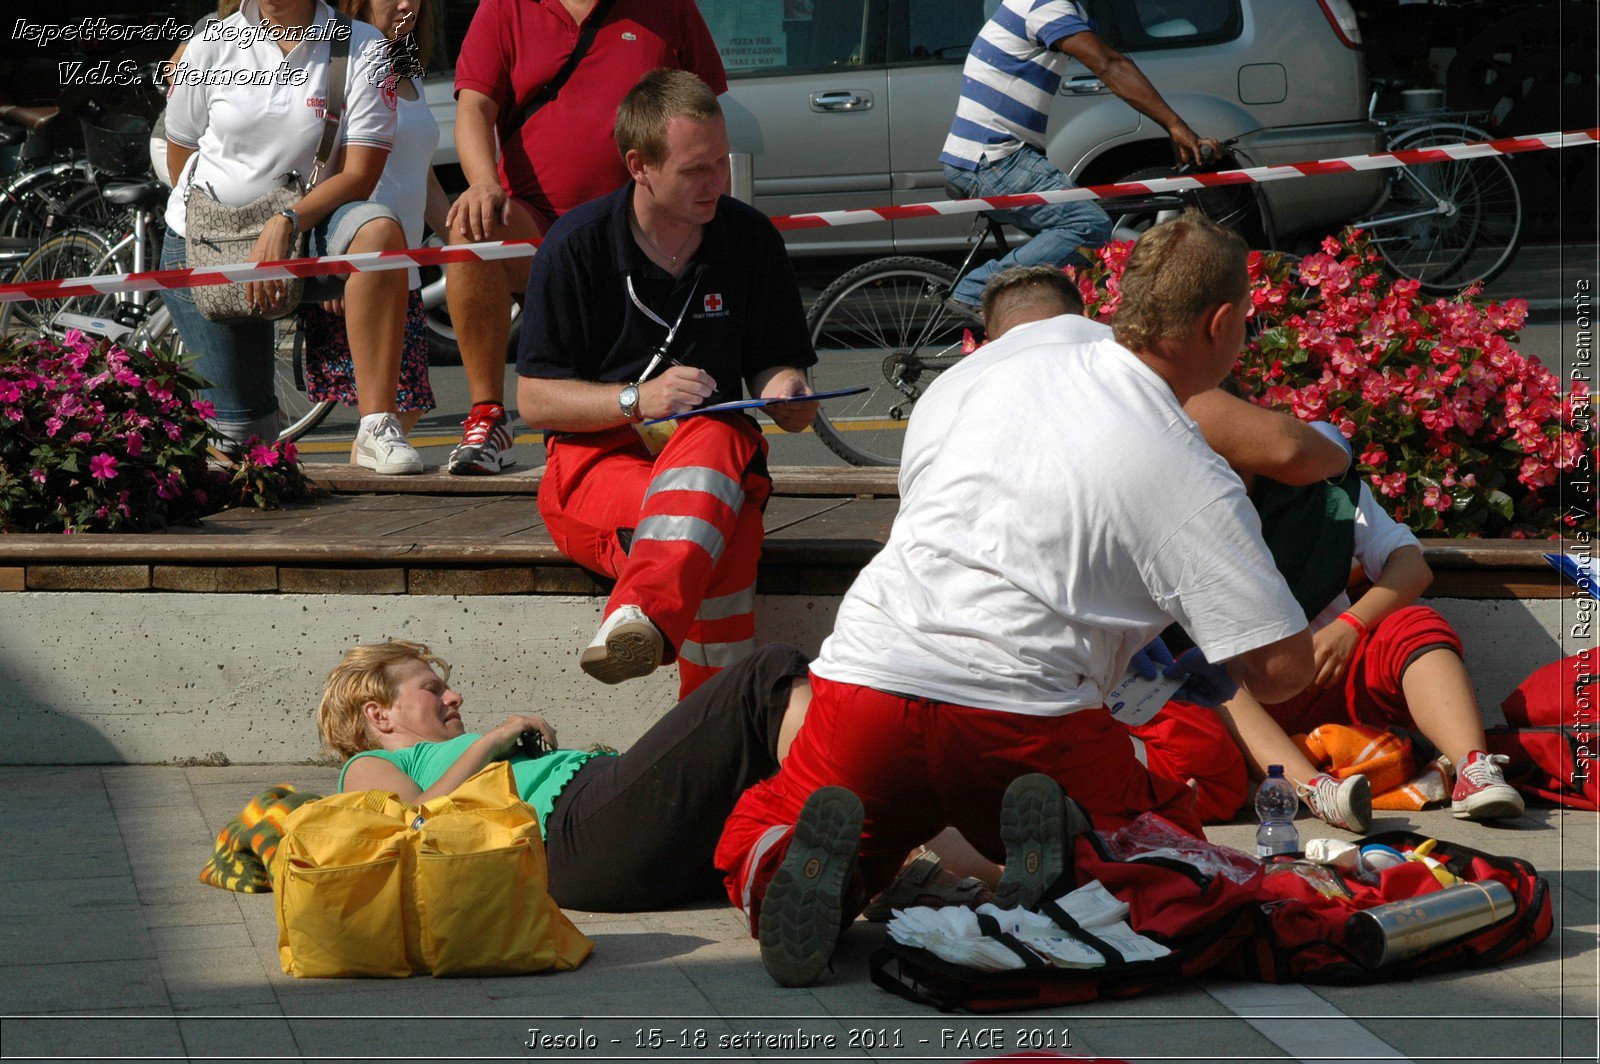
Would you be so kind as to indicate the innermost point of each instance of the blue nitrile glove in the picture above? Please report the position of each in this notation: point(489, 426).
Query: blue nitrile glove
point(1204, 684)
point(1332, 432)
point(1149, 661)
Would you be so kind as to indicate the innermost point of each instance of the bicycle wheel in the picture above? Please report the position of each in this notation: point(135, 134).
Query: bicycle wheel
point(36, 207)
point(1448, 224)
point(89, 209)
point(75, 253)
point(885, 325)
point(298, 412)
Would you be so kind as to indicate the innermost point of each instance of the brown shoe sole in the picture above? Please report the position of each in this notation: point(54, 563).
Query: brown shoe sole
point(633, 649)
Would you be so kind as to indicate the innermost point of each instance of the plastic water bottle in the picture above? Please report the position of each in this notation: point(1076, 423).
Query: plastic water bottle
point(1276, 806)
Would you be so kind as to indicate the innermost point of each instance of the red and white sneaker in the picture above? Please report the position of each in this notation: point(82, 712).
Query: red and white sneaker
point(1482, 792)
point(485, 447)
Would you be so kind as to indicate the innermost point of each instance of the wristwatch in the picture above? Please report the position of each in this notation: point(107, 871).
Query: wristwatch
point(628, 400)
point(294, 219)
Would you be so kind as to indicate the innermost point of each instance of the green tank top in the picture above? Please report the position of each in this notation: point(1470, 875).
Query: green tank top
point(539, 779)
point(1311, 532)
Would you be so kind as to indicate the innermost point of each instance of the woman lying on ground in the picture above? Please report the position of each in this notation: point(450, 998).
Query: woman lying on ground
point(623, 833)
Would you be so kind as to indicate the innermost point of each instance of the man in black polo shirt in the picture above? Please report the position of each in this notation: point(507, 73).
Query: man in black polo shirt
point(659, 298)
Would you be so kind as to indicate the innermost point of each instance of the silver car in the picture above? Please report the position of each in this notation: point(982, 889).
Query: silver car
point(846, 103)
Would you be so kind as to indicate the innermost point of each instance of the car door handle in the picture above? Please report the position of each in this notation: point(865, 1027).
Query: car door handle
point(841, 101)
point(1084, 85)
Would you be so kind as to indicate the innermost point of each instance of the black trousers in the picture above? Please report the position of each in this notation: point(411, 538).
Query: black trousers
point(636, 832)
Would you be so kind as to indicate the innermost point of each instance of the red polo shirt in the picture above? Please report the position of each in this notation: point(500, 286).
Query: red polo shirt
point(564, 154)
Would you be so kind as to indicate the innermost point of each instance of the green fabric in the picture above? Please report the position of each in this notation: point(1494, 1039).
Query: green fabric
point(1311, 532)
point(539, 779)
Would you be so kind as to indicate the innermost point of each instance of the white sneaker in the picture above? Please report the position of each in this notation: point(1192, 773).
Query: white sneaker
point(1345, 803)
point(382, 447)
point(628, 644)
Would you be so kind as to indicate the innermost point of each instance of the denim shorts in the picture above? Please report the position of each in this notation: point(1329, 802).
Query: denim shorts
point(333, 236)
point(239, 359)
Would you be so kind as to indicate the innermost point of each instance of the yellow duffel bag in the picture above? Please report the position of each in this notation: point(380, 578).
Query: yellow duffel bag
point(368, 885)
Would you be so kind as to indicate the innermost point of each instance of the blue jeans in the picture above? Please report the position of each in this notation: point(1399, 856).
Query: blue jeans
point(240, 359)
point(1058, 229)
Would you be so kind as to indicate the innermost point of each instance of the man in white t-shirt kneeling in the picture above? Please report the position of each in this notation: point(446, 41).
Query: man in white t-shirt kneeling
point(1058, 510)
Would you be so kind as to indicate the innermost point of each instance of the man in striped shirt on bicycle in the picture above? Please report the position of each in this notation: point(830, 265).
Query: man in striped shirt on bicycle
point(996, 144)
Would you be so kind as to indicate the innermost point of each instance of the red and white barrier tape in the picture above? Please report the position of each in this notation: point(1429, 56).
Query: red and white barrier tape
point(286, 269)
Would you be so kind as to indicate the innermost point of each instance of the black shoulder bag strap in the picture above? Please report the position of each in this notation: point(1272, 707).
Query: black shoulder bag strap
point(333, 102)
point(586, 36)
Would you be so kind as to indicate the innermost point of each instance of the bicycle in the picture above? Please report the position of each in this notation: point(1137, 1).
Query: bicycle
point(1458, 222)
point(887, 324)
point(137, 318)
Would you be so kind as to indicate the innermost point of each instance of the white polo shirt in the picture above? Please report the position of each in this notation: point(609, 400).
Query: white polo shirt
point(1058, 509)
point(403, 188)
point(255, 114)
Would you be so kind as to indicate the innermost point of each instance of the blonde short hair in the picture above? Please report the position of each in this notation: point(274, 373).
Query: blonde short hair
point(658, 98)
point(365, 674)
point(1179, 271)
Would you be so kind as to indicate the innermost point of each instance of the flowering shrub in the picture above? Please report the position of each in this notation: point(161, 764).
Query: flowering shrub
point(1457, 432)
point(97, 438)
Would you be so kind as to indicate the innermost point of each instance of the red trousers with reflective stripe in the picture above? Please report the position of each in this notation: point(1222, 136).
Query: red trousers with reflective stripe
point(920, 766)
point(1184, 741)
point(680, 532)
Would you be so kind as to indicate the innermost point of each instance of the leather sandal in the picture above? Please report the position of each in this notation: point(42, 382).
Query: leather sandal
point(924, 882)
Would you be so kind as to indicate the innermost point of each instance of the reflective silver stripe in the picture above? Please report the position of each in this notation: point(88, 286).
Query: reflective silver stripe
point(715, 655)
point(769, 838)
point(669, 527)
point(735, 605)
point(699, 478)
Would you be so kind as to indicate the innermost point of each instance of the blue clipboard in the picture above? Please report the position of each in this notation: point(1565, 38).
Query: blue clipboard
point(751, 404)
point(1580, 570)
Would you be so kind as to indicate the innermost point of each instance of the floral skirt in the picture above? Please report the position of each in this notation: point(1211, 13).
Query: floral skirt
point(330, 369)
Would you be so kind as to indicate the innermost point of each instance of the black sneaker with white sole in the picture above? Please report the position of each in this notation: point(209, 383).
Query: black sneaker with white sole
point(1037, 824)
point(803, 910)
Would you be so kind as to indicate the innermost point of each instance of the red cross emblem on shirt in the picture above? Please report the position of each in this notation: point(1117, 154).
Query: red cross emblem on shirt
point(713, 302)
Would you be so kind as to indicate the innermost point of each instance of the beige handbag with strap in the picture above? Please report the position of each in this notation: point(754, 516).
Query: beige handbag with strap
point(220, 235)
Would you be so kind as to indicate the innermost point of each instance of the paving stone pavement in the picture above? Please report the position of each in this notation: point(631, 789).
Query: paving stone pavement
point(112, 948)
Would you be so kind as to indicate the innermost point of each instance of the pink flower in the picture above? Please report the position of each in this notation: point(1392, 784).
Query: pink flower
point(1374, 456)
point(1438, 418)
point(9, 392)
point(1393, 485)
point(135, 444)
point(289, 451)
point(38, 475)
point(102, 467)
point(1435, 499)
point(204, 408)
point(263, 456)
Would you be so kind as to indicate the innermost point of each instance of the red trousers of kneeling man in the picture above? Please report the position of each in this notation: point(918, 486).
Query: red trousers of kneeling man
point(919, 766)
point(1185, 741)
point(680, 532)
